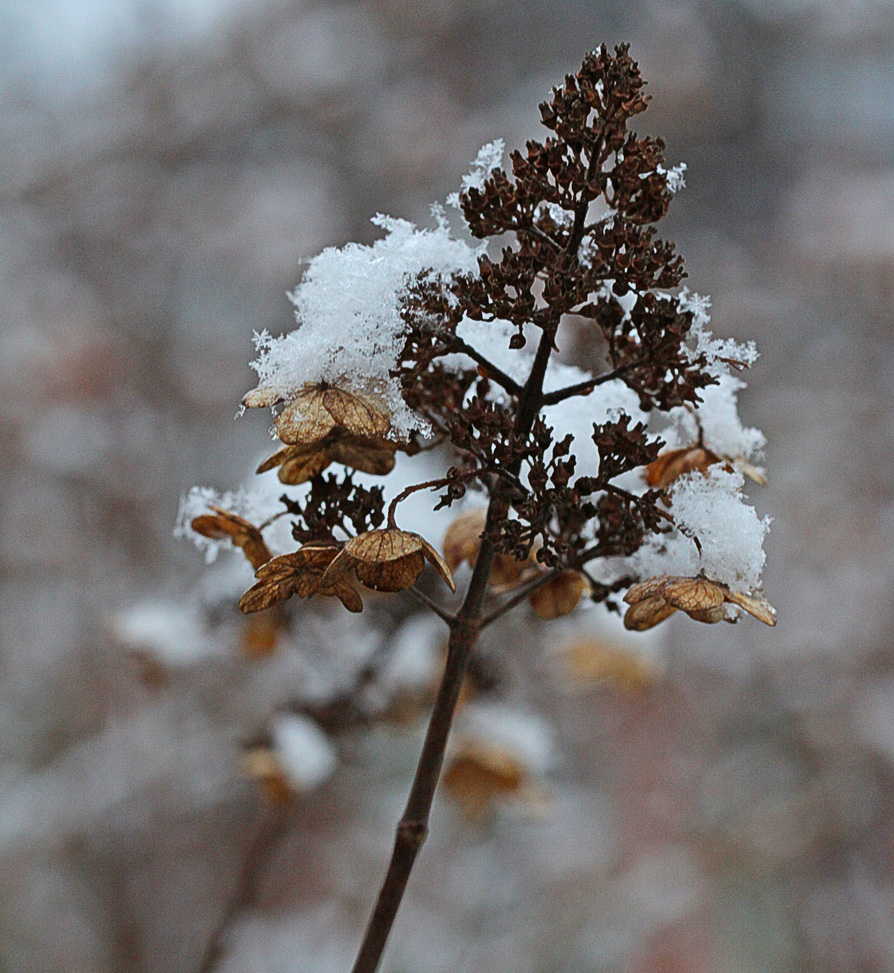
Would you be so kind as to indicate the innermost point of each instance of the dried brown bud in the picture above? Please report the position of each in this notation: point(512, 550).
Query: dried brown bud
point(301, 573)
point(222, 524)
point(387, 560)
point(559, 596)
point(655, 599)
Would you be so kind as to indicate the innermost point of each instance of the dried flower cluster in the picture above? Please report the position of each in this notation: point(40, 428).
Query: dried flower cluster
point(583, 480)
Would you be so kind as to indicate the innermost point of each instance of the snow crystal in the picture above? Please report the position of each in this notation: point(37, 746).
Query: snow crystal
point(349, 326)
point(304, 752)
point(718, 351)
point(729, 530)
point(722, 429)
point(676, 179)
point(490, 157)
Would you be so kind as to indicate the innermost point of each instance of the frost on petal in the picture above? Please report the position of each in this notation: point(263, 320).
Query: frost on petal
point(248, 504)
point(349, 326)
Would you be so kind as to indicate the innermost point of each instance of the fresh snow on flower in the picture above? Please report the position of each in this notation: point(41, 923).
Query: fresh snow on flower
point(718, 351)
point(490, 157)
point(303, 751)
point(676, 179)
point(350, 331)
point(729, 530)
point(254, 506)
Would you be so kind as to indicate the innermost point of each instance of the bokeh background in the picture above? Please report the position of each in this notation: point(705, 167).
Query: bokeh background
point(165, 168)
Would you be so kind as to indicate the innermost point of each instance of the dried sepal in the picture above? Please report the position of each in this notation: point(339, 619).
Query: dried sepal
point(223, 525)
point(703, 600)
point(755, 604)
point(315, 412)
point(754, 473)
point(260, 763)
point(462, 542)
point(479, 774)
point(263, 395)
point(590, 662)
point(300, 573)
point(559, 596)
point(387, 560)
point(298, 464)
point(673, 464)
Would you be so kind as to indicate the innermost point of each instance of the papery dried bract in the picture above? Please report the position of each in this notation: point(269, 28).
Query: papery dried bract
point(703, 600)
point(314, 413)
point(225, 525)
point(298, 464)
point(670, 466)
point(301, 573)
point(461, 544)
point(387, 560)
point(558, 596)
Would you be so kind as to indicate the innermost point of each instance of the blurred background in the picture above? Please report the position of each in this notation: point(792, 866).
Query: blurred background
point(711, 799)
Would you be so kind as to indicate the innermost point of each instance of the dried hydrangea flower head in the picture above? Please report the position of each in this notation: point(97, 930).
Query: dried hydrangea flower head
point(655, 599)
point(387, 560)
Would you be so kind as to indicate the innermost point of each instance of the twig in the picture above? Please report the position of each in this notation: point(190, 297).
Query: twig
point(559, 395)
point(272, 827)
point(520, 596)
point(422, 597)
point(493, 372)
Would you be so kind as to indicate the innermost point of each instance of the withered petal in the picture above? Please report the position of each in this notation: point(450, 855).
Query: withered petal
point(692, 594)
point(710, 615)
point(375, 457)
point(755, 604)
point(361, 415)
point(646, 589)
point(261, 396)
point(670, 466)
point(305, 420)
point(392, 575)
point(349, 596)
point(647, 613)
point(463, 538)
point(379, 546)
point(298, 469)
point(558, 597)
point(438, 563)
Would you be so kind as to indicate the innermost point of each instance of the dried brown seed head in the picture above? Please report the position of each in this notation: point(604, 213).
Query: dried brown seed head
point(387, 560)
point(558, 596)
point(223, 525)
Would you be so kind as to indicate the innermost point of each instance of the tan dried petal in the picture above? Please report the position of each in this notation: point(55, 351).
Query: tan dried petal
point(670, 466)
point(373, 456)
point(754, 473)
point(259, 636)
point(755, 604)
point(438, 563)
point(559, 596)
point(300, 573)
point(463, 538)
point(305, 420)
point(222, 524)
point(710, 616)
point(386, 560)
point(361, 415)
point(692, 594)
point(347, 594)
point(647, 613)
point(478, 774)
point(261, 396)
point(260, 763)
point(589, 662)
point(646, 589)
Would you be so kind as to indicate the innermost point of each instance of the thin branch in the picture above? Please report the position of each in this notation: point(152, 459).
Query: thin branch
point(422, 597)
point(520, 596)
point(260, 849)
point(582, 388)
point(494, 373)
point(535, 231)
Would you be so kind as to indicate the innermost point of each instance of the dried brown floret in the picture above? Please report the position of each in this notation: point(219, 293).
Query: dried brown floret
point(298, 464)
point(558, 596)
point(387, 560)
point(301, 573)
point(222, 525)
point(461, 543)
point(655, 599)
point(670, 466)
point(316, 412)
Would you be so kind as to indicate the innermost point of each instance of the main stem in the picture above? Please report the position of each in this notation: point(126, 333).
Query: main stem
point(412, 828)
